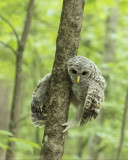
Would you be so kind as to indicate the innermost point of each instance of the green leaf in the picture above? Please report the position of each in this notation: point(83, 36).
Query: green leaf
point(30, 143)
point(6, 133)
point(3, 146)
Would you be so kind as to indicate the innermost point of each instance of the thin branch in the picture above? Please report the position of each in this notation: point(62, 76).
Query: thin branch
point(11, 26)
point(23, 118)
point(123, 128)
point(27, 23)
point(8, 46)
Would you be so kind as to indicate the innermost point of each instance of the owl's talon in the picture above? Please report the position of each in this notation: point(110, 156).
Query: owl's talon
point(66, 129)
point(65, 124)
point(69, 125)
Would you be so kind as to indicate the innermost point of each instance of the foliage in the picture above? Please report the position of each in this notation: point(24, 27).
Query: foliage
point(3, 139)
point(38, 60)
point(25, 143)
point(21, 144)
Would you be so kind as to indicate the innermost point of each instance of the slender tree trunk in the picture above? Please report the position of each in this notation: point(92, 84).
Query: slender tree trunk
point(4, 110)
point(81, 146)
point(14, 116)
point(123, 128)
point(110, 37)
point(108, 56)
point(96, 140)
point(58, 104)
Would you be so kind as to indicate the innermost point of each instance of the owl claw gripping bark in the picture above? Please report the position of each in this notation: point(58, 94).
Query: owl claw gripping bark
point(68, 125)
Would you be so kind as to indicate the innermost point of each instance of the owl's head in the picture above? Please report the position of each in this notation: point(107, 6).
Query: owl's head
point(80, 69)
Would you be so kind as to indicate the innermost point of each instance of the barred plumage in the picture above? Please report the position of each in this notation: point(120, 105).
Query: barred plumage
point(87, 94)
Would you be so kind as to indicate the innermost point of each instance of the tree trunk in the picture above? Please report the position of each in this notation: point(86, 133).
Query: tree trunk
point(108, 56)
point(14, 115)
point(81, 144)
point(59, 96)
point(4, 110)
point(123, 128)
point(96, 140)
point(110, 37)
point(13, 125)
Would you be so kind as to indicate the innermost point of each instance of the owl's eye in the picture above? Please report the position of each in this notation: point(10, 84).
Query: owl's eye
point(74, 71)
point(84, 73)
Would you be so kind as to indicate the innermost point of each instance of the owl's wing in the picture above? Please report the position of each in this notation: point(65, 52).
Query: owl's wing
point(93, 101)
point(40, 95)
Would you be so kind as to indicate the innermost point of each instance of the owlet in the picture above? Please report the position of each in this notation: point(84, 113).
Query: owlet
point(87, 93)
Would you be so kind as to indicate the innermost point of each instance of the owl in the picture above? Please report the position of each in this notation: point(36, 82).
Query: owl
point(87, 93)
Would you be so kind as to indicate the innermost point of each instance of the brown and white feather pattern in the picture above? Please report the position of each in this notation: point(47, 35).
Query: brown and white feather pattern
point(87, 92)
point(40, 96)
point(90, 90)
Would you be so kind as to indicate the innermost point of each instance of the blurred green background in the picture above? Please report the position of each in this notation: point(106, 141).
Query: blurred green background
point(104, 39)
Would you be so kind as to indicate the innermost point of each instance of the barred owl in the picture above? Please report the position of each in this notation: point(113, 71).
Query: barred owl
point(87, 93)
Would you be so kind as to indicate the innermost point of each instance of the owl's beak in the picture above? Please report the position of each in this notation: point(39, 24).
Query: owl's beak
point(78, 78)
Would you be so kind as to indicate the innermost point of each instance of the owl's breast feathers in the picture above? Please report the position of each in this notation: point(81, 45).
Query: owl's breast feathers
point(80, 92)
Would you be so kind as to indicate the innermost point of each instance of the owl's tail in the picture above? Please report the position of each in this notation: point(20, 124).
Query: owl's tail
point(38, 114)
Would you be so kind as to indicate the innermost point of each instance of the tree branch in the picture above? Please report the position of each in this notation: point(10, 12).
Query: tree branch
point(27, 24)
point(8, 46)
point(123, 127)
point(23, 118)
point(11, 26)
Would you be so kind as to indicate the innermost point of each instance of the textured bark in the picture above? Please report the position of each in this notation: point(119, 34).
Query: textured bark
point(108, 56)
point(124, 120)
point(14, 115)
point(58, 104)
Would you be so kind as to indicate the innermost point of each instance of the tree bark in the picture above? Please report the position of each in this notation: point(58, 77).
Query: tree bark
point(59, 95)
point(14, 115)
point(123, 128)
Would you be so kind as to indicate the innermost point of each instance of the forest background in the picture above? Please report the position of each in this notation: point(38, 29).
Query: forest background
point(104, 39)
